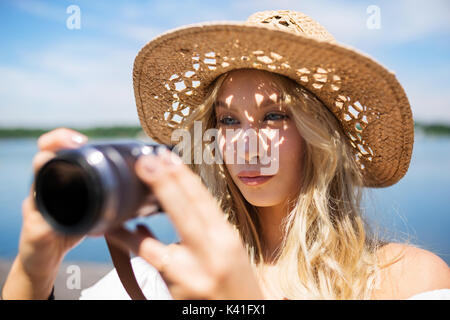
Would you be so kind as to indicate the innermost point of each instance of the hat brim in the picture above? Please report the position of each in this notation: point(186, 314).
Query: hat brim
point(173, 71)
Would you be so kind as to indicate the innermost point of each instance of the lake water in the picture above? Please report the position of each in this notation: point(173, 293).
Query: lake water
point(416, 209)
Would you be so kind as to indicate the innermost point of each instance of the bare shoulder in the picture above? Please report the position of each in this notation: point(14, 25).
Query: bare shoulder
point(407, 270)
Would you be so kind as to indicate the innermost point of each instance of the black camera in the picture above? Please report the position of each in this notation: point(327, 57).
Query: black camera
point(94, 188)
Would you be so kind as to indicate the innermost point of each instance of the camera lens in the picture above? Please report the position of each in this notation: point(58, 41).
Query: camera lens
point(67, 197)
point(66, 193)
point(94, 188)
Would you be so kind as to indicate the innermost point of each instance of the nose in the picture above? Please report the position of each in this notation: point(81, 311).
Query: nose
point(248, 146)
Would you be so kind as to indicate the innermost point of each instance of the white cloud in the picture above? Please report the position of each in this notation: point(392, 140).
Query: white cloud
point(137, 32)
point(42, 9)
point(428, 105)
point(401, 21)
point(90, 82)
point(63, 86)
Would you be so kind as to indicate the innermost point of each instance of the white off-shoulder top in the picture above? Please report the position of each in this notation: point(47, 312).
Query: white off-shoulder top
point(154, 288)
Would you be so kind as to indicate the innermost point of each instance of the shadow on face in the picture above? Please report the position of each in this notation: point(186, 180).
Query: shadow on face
point(258, 139)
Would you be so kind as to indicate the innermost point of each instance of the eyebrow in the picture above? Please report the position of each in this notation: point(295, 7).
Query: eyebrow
point(264, 104)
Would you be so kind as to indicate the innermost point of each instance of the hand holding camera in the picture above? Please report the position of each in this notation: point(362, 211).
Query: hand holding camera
point(83, 189)
point(41, 248)
point(78, 190)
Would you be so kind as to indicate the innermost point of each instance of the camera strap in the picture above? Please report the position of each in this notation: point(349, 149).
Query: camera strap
point(121, 260)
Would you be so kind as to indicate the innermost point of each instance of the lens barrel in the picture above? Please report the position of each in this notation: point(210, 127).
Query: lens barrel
point(94, 188)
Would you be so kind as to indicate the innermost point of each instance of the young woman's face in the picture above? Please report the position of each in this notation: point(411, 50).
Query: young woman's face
point(259, 142)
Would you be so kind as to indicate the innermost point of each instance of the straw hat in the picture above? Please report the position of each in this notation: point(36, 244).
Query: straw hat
point(172, 72)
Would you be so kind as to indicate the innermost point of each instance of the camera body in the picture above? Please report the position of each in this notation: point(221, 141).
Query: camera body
point(94, 188)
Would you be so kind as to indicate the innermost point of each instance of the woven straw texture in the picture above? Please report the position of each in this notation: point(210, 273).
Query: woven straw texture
point(172, 72)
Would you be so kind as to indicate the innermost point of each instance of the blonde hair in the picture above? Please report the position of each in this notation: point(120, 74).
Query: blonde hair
point(326, 250)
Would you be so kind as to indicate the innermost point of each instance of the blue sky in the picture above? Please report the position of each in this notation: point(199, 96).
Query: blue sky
point(53, 76)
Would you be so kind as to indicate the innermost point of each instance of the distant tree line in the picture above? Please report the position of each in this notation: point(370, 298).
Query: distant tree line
point(433, 129)
point(133, 131)
point(96, 132)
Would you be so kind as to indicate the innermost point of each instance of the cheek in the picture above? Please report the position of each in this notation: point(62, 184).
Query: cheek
point(222, 147)
point(290, 152)
point(227, 147)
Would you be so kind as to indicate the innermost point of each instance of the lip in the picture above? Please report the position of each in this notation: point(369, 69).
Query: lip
point(253, 178)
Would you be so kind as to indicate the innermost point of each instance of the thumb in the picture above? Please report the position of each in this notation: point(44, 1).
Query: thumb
point(150, 168)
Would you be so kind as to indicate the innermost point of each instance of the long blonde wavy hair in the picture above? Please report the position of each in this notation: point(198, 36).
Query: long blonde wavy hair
point(327, 251)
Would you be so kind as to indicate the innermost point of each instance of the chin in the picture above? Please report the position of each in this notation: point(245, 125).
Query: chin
point(260, 200)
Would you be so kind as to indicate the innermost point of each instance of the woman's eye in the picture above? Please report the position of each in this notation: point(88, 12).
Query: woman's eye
point(228, 121)
point(276, 116)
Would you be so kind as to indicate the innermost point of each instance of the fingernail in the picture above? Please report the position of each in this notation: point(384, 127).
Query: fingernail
point(79, 139)
point(169, 157)
point(151, 163)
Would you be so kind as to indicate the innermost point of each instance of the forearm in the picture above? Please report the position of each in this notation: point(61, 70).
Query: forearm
point(20, 285)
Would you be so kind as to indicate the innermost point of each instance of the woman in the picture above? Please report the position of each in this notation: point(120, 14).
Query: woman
point(288, 228)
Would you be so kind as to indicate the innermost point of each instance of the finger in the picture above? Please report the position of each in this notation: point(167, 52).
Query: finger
point(171, 197)
point(182, 195)
point(31, 214)
point(176, 291)
point(192, 185)
point(28, 205)
point(148, 248)
point(179, 292)
point(61, 138)
point(41, 158)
